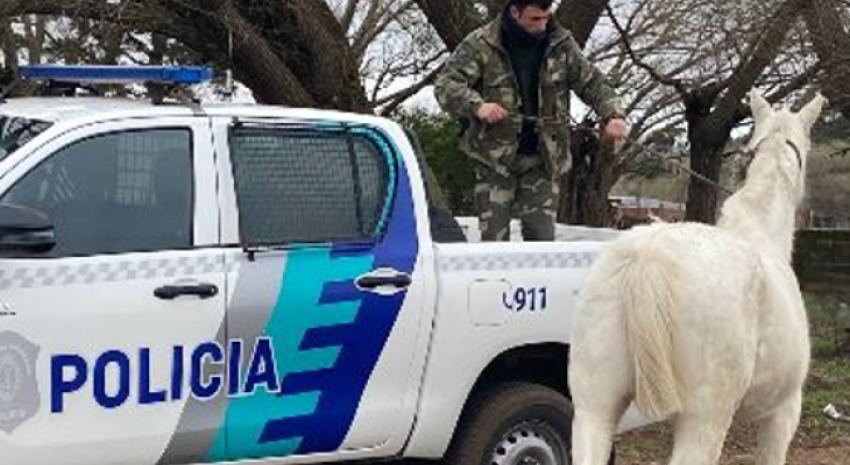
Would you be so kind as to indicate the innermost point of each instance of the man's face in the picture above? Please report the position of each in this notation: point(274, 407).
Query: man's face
point(532, 18)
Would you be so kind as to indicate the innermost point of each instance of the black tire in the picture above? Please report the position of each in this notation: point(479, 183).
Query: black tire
point(514, 424)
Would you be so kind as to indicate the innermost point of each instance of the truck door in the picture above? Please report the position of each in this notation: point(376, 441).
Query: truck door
point(327, 290)
point(105, 338)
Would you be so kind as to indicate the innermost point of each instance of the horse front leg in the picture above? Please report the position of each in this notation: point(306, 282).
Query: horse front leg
point(776, 431)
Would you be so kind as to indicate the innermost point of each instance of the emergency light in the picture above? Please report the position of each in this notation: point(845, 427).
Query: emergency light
point(117, 74)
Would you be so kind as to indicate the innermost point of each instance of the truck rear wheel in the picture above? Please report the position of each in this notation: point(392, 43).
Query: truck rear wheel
point(515, 424)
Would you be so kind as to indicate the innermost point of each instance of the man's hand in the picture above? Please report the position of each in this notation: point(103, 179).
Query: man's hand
point(616, 130)
point(615, 133)
point(491, 113)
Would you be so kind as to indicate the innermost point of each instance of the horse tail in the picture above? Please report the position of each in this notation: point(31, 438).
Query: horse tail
point(650, 284)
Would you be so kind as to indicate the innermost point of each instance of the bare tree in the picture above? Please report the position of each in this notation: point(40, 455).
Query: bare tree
point(296, 52)
point(678, 65)
point(293, 52)
point(8, 51)
point(676, 62)
point(453, 19)
point(581, 17)
point(826, 23)
point(695, 72)
point(34, 35)
point(398, 51)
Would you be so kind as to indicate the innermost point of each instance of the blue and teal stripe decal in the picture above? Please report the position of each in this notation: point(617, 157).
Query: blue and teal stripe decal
point(327, 336)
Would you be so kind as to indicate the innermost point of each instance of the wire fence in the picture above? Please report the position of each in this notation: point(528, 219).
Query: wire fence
point(822, 262)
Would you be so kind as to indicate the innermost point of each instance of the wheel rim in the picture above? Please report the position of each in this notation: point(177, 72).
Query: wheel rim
point(530, 443)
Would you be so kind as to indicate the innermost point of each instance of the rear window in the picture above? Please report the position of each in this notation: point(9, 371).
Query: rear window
point(16, 131)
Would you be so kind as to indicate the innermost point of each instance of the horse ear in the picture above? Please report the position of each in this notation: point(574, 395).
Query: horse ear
point(760, 107)
point(810, 113)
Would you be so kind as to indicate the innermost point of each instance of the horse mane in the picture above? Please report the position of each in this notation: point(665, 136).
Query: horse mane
point(763, 209)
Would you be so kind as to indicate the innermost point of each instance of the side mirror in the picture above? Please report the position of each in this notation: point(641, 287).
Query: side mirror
point(25, 231)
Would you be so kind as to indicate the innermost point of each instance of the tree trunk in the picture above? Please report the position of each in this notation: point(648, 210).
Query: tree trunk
point(597, 208)
point(832, 45)
point(702, 196)
point(452, 19)
point(288, 52)
point(585, 191)
point(9, 50)
point(34, 37)
point(584, 195)
point(581, 16)
point(112, 36)
point(706, 140)
point(292, 53)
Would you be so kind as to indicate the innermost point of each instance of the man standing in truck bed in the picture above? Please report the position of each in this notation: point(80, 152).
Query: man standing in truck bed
point(510, 81)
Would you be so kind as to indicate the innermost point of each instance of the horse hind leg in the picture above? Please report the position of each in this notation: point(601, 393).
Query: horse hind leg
point(699, 436)
point(601, 383)
point(776, 431)
point(593, 434)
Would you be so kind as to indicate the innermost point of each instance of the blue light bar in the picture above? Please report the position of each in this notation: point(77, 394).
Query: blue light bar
point(117, 74)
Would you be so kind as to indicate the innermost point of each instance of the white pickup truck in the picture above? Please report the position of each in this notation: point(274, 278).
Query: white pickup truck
point(187, 284)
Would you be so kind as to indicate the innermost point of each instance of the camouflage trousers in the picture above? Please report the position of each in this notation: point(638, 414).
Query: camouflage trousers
point(530, 195)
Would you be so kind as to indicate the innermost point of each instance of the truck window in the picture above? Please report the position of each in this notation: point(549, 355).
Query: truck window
point(299, 185)
point(15, 132)
point(115, 193)
point(444, 226)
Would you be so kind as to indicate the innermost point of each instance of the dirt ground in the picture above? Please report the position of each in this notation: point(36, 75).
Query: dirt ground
point(818, 442)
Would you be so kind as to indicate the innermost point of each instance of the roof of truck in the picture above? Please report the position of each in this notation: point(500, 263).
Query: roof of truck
point(59, 108)
point(89, 109)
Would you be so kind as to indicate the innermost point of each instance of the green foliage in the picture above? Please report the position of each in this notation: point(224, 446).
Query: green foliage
point(439, 136)
point(823, 348)
point(826, 384)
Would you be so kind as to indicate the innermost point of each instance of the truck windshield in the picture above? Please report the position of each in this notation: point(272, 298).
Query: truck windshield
point(16, 131)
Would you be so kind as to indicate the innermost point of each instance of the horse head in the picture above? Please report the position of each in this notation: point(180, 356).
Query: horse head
point(796, 127)
point(790, 131)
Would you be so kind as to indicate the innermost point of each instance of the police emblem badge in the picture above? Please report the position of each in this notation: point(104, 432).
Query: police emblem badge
point(19, 396)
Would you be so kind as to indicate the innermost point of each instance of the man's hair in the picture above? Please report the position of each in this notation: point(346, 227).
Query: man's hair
point(544, 4)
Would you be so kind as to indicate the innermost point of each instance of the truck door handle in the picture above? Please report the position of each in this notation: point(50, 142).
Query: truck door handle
point(171, 292)
point(373, 281)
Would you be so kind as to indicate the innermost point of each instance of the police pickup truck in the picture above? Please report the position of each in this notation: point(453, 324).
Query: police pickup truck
point(187, 284)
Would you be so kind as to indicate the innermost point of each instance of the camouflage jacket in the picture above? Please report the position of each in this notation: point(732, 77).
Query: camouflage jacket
point(480, 71)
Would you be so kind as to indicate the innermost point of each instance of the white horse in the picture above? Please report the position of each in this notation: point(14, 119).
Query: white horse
point(695, 322)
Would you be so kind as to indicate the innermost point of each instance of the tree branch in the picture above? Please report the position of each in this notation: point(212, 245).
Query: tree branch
point(763, 53)
point(452, 19)
point(347, 17)
point(366, 37)
point(370, 22)
point(390, 103)
point(832, 45)
point(255, 61)
point(581, 17)
point(655, 74)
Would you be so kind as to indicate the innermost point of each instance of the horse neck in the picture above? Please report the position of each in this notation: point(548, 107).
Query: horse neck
point(763, 211)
